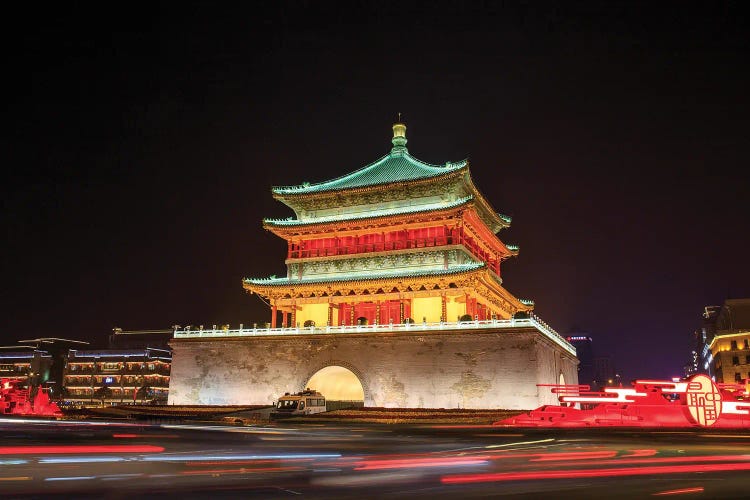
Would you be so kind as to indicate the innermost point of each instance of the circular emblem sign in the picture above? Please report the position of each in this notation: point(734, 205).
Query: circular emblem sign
point(703, 400)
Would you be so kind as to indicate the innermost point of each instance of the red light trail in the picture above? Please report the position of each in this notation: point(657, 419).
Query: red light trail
point(593, 473)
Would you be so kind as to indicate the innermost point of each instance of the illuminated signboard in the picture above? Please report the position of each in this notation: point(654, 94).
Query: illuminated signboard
point(696, 402)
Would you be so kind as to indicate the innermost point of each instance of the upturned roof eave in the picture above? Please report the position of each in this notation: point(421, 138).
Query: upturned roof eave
point(278, 192)
point(266, 282)
point(271, 224)
point(502, 291)
point(481, 201)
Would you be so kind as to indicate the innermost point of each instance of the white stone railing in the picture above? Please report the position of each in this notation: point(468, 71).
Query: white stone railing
point(532, 321)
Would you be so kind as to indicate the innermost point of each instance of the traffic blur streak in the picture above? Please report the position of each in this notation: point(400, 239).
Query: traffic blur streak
point(365, 461)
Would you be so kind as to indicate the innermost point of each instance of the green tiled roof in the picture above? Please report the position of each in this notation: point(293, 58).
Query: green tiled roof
point(370, 215)
point(365, 276)
point(396, 166)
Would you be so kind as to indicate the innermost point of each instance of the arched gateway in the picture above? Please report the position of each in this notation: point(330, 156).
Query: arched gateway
point(395, 269)
point(338, 383)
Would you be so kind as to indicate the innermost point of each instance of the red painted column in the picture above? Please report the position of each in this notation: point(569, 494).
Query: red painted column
point(273, 316)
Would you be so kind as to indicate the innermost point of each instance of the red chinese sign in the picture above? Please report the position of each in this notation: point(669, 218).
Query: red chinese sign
point(703, 400)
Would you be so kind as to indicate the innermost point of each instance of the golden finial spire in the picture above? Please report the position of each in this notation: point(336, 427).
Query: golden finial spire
point(399, 136)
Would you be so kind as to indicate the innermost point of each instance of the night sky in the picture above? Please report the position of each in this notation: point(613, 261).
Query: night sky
point(141, 145)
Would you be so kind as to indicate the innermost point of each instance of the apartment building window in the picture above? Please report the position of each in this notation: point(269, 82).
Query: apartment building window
point(737, 377)
point(735, 360)
point(747, 359)
point(747, 343)
point(734, 345)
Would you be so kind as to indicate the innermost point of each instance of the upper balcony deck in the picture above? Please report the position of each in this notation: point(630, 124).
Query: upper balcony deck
point(532, 321)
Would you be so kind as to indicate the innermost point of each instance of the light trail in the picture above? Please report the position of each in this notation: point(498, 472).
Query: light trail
point(110, 448)
point(681, 491)
point(420, 463)
point(593, 473)
point(193, 458)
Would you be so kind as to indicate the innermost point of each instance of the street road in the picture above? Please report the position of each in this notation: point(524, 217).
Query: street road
point(117, 460)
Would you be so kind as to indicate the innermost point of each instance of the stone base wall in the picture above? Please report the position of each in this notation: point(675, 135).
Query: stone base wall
point(487, 369)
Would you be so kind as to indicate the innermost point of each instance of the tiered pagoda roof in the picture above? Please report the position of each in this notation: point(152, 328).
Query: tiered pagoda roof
point(368, 276)
point(373, 214)
point(391, 168)
point(394, 191)
point(392, 179)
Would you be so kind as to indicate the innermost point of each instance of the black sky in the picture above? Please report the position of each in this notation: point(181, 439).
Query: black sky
point(143, 144)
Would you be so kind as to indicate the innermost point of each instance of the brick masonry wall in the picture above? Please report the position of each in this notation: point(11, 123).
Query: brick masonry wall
point(403, 370)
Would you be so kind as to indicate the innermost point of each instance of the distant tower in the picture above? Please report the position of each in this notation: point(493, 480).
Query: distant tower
point(605, 374)
point(585, 350)
point(701, 358)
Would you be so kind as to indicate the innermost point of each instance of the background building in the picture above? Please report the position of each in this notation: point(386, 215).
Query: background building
point(701, 358)
point(137, 365)
point(115, 376)
point(44, 359)
point(605, 374)
point(25, 363)
point(584, 345)
point(730, 344)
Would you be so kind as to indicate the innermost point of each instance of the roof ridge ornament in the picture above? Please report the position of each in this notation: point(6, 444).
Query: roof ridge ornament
point(399, 137)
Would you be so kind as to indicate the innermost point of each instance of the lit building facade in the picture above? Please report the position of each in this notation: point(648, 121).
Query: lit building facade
point(54, 351)
point(730, 344)
point(25, 363)
point(393, 272)
point(116, 376)
point(701, 358)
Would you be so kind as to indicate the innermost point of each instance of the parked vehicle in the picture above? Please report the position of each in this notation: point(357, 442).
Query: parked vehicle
point(306, 402)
